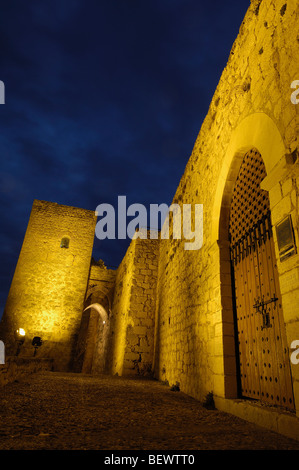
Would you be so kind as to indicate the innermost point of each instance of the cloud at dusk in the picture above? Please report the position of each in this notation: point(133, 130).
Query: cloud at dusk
point(103, 98)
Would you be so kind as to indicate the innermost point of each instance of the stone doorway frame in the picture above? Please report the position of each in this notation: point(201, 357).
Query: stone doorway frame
point(255, 131)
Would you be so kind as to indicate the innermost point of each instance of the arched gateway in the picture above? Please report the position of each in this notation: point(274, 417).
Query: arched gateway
point(262, 351)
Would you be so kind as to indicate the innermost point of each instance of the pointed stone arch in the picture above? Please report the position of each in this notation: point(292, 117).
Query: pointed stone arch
point(260, 132)
point(255, 131)
point(100, 309)
point(92, 342)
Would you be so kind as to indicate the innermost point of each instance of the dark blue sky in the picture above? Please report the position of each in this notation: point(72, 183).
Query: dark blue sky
point(103, 98)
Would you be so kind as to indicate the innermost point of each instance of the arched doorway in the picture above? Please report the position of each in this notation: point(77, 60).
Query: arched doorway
point(263, 356)
point(92, 342)
point(96, 340)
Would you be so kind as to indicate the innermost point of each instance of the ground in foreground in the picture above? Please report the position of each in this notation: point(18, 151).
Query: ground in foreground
point(56, 411)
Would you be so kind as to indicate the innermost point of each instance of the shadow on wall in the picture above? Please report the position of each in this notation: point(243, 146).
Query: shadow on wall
point(92, 342)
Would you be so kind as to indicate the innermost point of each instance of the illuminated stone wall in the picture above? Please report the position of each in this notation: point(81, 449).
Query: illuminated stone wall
point(133, 311)
point(251, 107)
point(49, 285)
point(92, 347)
point(172, 310)
point(283, 187)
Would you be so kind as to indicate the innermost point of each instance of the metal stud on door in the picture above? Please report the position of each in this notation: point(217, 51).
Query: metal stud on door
point(263, 352)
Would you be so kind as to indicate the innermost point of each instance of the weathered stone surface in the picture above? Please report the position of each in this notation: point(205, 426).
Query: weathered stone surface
point(119, 413)
point(251, 108)
point(171, 310)
point(133, 310)
point(48, 288)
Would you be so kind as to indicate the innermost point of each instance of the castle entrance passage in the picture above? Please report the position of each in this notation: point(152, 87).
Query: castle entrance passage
point(262, 347)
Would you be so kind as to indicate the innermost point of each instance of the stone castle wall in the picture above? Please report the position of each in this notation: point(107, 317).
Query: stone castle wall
point(92, 347)
point(251, 108)
point(133, 311)
point(168, 310)
point(49, 285)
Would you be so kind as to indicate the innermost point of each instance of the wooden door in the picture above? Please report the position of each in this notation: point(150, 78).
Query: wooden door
point(262, 346)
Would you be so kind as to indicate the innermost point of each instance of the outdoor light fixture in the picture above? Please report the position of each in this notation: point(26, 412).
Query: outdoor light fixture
point(20, 334)
point(36, 342)
point(20, 338)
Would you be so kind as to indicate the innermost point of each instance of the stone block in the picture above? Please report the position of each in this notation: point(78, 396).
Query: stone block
point(140, 330)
